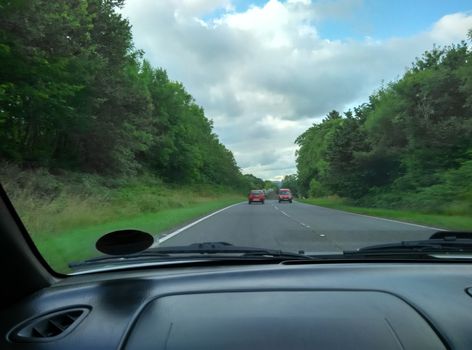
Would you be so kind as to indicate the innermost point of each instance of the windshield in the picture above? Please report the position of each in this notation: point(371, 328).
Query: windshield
point(161, 116)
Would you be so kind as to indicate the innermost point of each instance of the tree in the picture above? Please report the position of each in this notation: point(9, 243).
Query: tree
point(397, 149)
point(75, 94)
point(253, 182)
point(313, 143)
point(291, 182)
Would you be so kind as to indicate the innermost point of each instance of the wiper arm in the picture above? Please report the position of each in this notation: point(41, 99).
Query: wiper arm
point(439, 243)
point(116, 258)
point(421, 246)
point(208, 250)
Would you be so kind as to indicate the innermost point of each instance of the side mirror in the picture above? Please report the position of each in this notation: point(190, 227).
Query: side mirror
point(123, 242)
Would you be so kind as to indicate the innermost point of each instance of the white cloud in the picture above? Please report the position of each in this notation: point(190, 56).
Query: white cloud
point(451, 27)
point(197, 7)
point(265, 74)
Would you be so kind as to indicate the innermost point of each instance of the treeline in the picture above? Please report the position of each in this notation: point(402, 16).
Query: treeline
point(76, 95)
point(291, 182)
point(409, 147)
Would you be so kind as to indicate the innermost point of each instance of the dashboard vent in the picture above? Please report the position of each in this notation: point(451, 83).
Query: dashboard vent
point(50, 326)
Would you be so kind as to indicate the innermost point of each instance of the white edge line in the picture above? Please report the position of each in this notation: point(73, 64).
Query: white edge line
point(174, 233)
point(379, 218)
point(400, 222)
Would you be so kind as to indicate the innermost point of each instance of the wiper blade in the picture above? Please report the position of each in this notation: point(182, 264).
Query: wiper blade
point(116, 258)
point(421, 246)
point(441, 242)
point(207, 250)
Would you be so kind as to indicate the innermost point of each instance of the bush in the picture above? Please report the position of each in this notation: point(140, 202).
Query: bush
point(317, 189)
point(451, 195)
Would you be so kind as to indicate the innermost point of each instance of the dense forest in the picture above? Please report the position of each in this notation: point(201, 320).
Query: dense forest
point(409, 146)
point(77, 96)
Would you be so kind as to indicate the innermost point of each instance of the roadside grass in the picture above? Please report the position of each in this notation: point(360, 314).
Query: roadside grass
point(66, 213)
point(450, 222)
point(60, 248)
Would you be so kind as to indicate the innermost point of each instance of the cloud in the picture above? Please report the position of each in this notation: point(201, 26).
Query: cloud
point(264, 75)
point(197, 7)
point(453, 26)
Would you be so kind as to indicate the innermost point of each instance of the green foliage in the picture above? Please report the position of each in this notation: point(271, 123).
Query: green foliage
point(311, 156)
point(291, 182)
point(269, 185)
point(409, 147)
point(316, 189)
point(76, 95)
point(252, 182)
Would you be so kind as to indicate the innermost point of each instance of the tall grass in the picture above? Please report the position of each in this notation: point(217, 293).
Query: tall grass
point(67, 212)
point(53, 203)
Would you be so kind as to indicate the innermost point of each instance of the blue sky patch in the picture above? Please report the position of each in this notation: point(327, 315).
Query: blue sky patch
point(378, 19)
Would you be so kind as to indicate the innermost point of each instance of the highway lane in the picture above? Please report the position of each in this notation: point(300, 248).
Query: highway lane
point(295, 227)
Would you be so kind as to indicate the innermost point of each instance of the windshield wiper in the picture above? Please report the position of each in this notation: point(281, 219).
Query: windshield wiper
point(443, 242)
point(115, 259)
point(206, 250)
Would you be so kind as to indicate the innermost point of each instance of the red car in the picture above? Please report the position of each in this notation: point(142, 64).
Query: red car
point(256, 196)
point(285, 195)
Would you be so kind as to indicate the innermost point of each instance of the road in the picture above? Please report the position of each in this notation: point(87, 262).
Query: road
point(294, 227)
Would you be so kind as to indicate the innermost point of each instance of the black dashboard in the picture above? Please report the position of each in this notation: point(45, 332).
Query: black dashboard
point(283, 306)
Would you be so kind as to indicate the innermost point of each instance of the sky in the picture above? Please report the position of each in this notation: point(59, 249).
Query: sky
point(265, 71)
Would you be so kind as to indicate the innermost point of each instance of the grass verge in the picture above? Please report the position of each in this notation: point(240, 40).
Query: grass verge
point(78, 244)
point(450, 222)
point(66, 212)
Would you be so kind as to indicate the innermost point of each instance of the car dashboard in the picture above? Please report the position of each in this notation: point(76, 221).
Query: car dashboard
point(293, 305)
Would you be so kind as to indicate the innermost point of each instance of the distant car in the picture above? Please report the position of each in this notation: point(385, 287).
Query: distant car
point(285, 195)
point(256, 196)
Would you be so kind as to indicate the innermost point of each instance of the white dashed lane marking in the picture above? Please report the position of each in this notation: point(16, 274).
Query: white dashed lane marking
point(291, 217)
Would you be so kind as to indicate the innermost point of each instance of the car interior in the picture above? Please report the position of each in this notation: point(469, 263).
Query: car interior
point(306, 304)
point(235, 174)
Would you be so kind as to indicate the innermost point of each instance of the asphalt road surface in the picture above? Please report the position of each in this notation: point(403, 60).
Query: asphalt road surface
point(294, 227)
